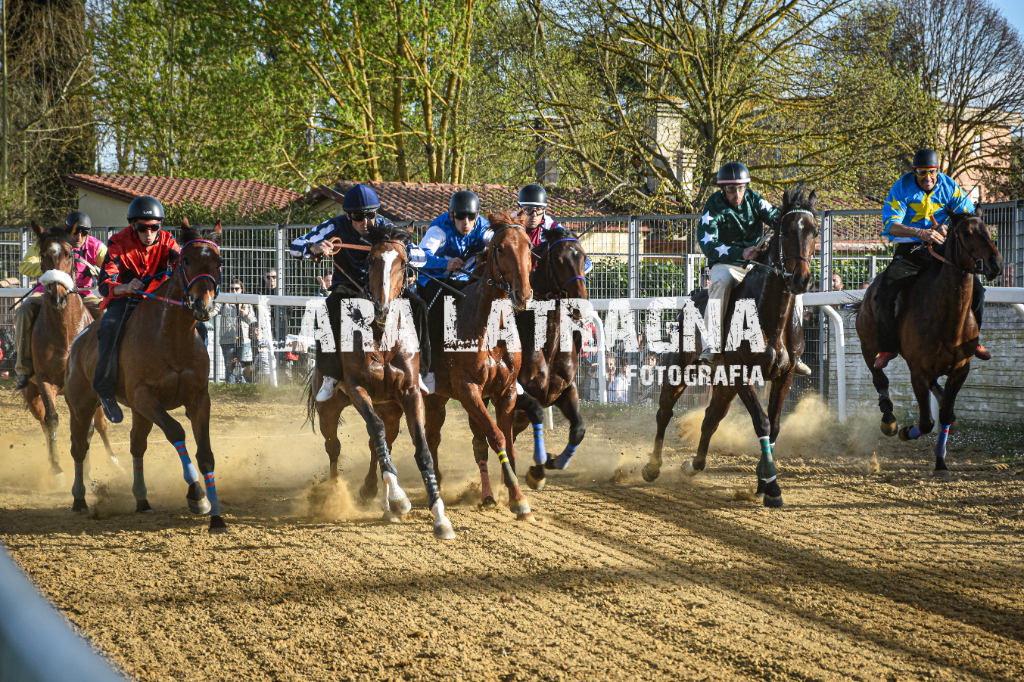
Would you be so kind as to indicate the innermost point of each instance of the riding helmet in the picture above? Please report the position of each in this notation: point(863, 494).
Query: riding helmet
point(80, 217)
point(533, 195)
point(360, 198)
point(926, 158)
point(464, 202)
point(145, 208)
point(733, 173)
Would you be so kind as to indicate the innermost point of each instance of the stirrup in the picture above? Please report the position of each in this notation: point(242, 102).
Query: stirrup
point(23, 381)
point(708, 358)
point(326, 389)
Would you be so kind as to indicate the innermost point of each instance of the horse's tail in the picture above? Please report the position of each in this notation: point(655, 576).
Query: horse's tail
point(309, 395)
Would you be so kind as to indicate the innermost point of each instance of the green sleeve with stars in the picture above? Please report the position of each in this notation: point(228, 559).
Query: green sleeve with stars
point(715, 232)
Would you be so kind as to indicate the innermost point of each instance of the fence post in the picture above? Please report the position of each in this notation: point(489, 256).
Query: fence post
point(24, 250)
point(826, 285)
point(872, 267)
point(1018, 255)
point(689, 274)
point(633, 258)
point(218, 359)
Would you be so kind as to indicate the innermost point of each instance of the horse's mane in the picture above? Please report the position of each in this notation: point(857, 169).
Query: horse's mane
point(58, 233)
point(504, 219)
point(800, 199)
point(384, 233)
point(555, 233)
point(192, 233)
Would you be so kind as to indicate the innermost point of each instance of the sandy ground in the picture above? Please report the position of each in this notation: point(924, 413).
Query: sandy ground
point(875, 573)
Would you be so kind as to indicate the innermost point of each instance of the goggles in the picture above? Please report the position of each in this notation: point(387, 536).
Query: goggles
point(465, 216)
point(359, 216)
point(533, 210)
point(926, 172)
point(733, 189)
point(141, 227)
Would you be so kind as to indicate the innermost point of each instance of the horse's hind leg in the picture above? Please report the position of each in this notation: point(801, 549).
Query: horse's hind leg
point(569, 405)
point(766, 470)
point(51, 421)
point(204, 456)
point(947, 418)
point(81, 424)
point(435, 411)
point(922, 391)
point(100, 424)
point(666, 402)
point(718, 407)
point(881, 382)
point(528, 405)
point(480, 453)
point(330, 416)
point(137, 445)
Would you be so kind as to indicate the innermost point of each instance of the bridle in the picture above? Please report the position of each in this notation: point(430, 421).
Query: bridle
point(780, 268)
point(186, 283)
point(979, 263)
point(405, 272)
point(563, 289)
point(501, 283)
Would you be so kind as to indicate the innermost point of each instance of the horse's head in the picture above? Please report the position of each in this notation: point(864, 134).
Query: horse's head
point(792, 246)
point(387, 268)
point(199, 269)
point(57, 258)
point(560, 265)
point(972, 248)
point(508, 259)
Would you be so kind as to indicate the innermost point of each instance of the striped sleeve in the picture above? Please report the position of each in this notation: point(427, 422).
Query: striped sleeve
point(300, 247)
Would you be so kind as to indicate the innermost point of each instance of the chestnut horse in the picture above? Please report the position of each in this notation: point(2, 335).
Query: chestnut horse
point(485, 368)
point(937, 330)
point(378, 380)
point(163, 365)
point(548, 373)
point(783, 271)
point(61, 317)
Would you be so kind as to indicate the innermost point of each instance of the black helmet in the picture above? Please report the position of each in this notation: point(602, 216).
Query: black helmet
point(533, 195)
point(360, 198)
point(464, 202)
point(733, 173)
point(926, 158)
point(145, 208)
point(80, 217)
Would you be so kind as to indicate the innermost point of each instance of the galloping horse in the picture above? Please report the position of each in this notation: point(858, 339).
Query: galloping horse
point(163, 365)
point(61, 317)
point(378, 379)
point(548, 374)
point(783, 271)
point(937, 331)
point(486, 370)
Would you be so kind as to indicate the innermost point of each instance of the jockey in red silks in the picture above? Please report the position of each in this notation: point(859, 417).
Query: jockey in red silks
point(533, 203)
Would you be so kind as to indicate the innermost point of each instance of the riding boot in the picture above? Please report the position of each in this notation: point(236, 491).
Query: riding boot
point(108, 338)
point(329, 364)
point(978, 300)
point(419, 316)
point(907, 264)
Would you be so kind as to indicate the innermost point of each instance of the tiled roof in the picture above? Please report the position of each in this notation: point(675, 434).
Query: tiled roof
point(424, 201)
point(212, 193)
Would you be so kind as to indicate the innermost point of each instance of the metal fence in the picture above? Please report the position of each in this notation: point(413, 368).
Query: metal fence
point(633, 256)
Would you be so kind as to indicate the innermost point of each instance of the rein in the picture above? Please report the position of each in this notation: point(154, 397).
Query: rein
point(979, 265)
point(780, 269)
point(186, 284)
point(502, 283)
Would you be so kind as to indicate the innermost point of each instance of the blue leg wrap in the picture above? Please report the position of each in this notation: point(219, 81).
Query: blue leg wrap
point(540, 450)
point(211, 494)
point(940, 447)
point(562, 461)
point(189, 469)
point(914, 432)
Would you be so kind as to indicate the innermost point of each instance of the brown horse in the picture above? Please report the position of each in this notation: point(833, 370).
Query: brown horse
point(486, 370)
point(383, 381)
point(61, 317)
point(163, 365)
point(937, 330)
point(783, 271)
point(548, 373)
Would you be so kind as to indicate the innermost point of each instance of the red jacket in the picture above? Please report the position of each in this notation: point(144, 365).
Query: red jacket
point(128, 259)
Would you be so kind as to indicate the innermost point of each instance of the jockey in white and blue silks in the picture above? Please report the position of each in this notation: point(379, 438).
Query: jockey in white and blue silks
point(454, 238)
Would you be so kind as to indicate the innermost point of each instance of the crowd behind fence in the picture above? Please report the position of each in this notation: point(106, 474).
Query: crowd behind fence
point(633, 256)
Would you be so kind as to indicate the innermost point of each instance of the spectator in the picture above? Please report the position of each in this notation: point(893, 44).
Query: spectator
point(618, 387)
point(647, 392)
point(837, 282)
point(269, 285)
point(325, 283)
point(235, 342)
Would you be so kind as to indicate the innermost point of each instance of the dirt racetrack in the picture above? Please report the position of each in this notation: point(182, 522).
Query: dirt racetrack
point(872, 570)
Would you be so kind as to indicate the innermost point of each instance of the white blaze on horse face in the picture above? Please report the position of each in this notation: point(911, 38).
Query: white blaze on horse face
point(55, 250)
point(388, 258)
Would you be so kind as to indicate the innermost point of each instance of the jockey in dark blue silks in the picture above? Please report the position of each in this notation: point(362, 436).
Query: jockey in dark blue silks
point(913, 216)
point(360, 213)
point(454, 238)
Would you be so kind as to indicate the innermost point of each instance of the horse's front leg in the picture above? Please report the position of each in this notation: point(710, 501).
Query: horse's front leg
point(200, 411)
point(780, 389)
point(51, 420)
point(718, 407)
point(504, 406)
point(666, 403)
point(415, 418)
point(923, 393)
point(947, 418)
point(766, 470)
point(394, 501)
point(528, 405)
point(568, 403)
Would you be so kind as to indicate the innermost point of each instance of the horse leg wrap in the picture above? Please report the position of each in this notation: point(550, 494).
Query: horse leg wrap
point(540, 450)
point(766, 467)
point(78, 487)
point(940, 446)
point(511, 481)
point(211, 494)
point(188, 468)
point(384, 460)
point(914, 433)
point(562, 461)
point(485, 480)
point(394, 500)
point(139, 483)
point(433, 491)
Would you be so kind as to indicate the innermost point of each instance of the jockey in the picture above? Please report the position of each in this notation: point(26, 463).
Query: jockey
point(138, 259)
point(533, 203)
point(913, 216)
point(360, 207)
point(88, 253)
point(732, 226)
point(454, 238)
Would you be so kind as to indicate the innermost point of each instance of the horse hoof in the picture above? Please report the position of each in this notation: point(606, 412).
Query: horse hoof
point(80, 506)
point(527, 517)
point(60, 480)
point(772, 495)
point(690, 470)
point(942, 474)
point(142, 507)
point(388, 517)
point(534, 482)
point(890, 428)
point(367, 496)
point(199, 506)
point(444, 531)
point(488, 503)
point(761, 485)
point(650, 473)
point(217, 525)
point(773, 502)
point(519, 507)
point(953, 427)
point(400, 507)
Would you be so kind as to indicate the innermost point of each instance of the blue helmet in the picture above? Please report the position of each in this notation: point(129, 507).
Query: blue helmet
point(360, 198)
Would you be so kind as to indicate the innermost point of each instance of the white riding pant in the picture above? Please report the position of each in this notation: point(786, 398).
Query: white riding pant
point(724, 279)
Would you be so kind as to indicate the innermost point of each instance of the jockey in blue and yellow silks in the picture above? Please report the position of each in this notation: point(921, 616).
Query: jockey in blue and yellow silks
point(914, 214)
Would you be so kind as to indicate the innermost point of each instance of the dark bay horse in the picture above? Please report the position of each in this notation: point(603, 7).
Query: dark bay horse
point(485, 369)
point(784, 271)
point(163, 365)
point(61, 317)
point(383, 383)
point(937, 330)
point(548, 373)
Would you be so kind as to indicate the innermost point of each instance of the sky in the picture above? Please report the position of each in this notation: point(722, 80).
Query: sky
point(1013, 10)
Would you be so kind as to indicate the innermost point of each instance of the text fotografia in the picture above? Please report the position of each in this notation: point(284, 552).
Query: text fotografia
point(695, 375)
